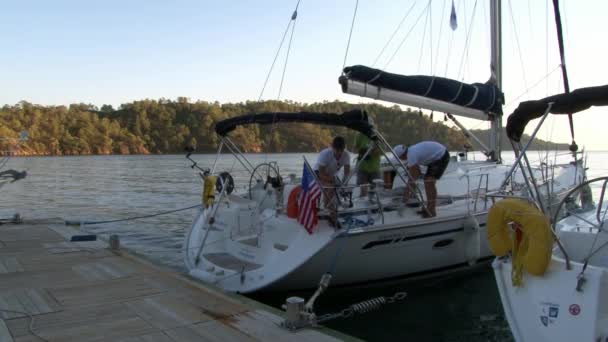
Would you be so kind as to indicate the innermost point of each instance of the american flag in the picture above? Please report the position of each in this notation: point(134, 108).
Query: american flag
point(307, 204)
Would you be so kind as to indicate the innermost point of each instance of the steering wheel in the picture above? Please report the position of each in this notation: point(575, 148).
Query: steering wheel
point(267, 173)
point(577, 195)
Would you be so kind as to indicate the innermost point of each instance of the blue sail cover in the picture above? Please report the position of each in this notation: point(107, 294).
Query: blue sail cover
point(480, 96)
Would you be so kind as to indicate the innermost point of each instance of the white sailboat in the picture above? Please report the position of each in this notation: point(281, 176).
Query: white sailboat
point(566, 296)
point(249, 242)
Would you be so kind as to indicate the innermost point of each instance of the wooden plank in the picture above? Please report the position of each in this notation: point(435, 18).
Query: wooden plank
point(45, 261)
point(66, 246)
point(29, 233)
point(26, 301)
point(5, 335)
point(154, 337)
point(212, 331)
point(105, 292)
point(52, 278)
point(91, 324)
point(95, 331)
point(212, 303)
point(264, 326)
point(165, 312)
point(70, 317)
point(104, 270)
point(10, 264)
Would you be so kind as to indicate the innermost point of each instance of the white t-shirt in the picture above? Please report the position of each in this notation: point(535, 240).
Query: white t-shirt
point(424, 153)
point(327, 159)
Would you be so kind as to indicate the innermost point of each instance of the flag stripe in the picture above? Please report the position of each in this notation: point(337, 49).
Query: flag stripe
point(307, 203)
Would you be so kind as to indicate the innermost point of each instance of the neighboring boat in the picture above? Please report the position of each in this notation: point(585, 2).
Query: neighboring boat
point(567, 299)
point(248, 242)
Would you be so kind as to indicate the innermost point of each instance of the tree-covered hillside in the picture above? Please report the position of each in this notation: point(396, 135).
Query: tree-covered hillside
point(165, 126)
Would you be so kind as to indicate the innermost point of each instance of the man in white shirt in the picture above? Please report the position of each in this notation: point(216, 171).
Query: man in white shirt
point(435, 157)
point(329, 162)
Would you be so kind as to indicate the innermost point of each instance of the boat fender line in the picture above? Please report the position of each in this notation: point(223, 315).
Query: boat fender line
point(472, 246)
point(517, 226)
point(208, 194)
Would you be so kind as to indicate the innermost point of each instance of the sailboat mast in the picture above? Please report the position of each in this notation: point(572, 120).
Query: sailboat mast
point(496, 68)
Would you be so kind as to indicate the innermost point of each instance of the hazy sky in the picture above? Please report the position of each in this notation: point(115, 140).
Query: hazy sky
point(66, 51)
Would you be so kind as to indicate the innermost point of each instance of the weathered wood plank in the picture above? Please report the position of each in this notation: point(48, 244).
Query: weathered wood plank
point(211, 302)
point(155, 337)
point(42, 260)
point(26, 301)
point(48, 279)
point(90, 324)
point(212, 331)
point(70, 317)
point(165, 312)
point(104, 270)
point(10, 264)
point(29, 233)
point(66, 246)
point(110, 329)
point(5, 335)
point(104, 292)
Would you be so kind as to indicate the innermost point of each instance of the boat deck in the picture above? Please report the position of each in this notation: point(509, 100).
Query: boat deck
point(55, 290)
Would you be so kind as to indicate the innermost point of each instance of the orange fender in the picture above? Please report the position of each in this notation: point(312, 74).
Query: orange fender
point(292, 202)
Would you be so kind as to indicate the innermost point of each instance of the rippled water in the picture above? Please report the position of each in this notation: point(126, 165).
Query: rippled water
point(96, 188)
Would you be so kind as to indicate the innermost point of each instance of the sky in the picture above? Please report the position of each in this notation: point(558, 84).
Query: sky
point(111, 52)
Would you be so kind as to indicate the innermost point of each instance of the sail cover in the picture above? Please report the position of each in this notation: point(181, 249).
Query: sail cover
point(354, 119)
point(479, 96)
point(569, 103)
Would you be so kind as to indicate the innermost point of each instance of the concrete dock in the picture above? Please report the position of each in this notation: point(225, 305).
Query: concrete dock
point(55, 290)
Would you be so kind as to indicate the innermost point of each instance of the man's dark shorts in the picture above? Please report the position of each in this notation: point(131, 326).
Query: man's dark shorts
point(437, 168)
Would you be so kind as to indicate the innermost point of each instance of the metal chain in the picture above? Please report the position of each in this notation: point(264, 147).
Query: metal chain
point(362, 307)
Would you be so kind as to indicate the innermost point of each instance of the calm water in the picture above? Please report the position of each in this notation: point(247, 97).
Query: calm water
point(461, 308)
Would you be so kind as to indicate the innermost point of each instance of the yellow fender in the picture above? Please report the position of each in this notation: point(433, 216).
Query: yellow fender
point(208, 195)
point(532, 242)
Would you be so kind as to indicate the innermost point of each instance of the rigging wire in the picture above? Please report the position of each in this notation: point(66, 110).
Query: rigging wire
point(546, 77)
point(276, 56)
point(465, 52)
point(394, 33)
point(294, 16)
point(350, 34)
point(406, 36)
point(521, 58)
point(434, 67)
point(422, 41)
point(431, 36)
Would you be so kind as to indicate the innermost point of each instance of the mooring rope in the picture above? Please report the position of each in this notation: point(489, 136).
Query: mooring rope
point(78, 223)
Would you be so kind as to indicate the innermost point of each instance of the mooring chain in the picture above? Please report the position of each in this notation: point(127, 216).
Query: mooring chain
point(362, 307)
